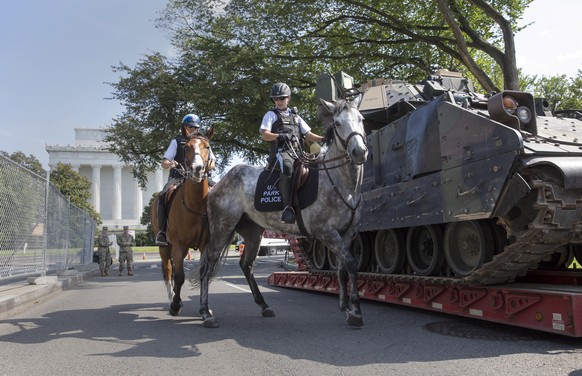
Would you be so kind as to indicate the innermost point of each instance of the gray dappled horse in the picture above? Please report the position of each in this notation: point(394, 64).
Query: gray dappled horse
point(332, 218)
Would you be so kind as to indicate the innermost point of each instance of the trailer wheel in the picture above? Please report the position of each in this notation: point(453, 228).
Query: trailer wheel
point(468, 245)
point(390, 251)
point(424, 250)
point(319, 255)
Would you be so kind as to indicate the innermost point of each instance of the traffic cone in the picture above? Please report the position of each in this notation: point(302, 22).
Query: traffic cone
point(144, 257)
point(189, 255)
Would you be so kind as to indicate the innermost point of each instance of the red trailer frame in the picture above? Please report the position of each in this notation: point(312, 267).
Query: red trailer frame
point(546, 301)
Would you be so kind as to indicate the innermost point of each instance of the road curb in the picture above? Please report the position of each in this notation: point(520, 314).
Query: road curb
point(18, 297)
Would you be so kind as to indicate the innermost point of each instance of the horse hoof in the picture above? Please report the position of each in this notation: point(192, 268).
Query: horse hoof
point(173, 310)
point(211, 323)
point(268, 312)
point(354, 320)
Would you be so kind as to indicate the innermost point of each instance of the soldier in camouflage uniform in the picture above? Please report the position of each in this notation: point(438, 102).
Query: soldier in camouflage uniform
point(125, 241)
point(103, 252)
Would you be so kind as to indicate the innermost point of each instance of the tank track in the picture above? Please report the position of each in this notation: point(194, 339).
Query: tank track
point(542, 238)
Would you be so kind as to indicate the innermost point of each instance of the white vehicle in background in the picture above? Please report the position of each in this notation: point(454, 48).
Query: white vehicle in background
point(271, 244)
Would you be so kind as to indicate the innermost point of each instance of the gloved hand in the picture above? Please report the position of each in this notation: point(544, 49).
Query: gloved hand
point(283, 137)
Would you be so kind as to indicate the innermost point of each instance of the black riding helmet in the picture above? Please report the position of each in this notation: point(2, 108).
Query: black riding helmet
point(280, 89)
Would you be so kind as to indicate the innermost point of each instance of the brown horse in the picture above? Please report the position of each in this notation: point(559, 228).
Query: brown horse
point(187, 227)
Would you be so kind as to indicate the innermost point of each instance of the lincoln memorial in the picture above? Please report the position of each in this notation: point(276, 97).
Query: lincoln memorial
point(115, 193)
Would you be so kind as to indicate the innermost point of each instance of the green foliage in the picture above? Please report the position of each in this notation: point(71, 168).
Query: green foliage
point(30, 162)
point(561, 92)
point(145, 220)
point(144, 239)
point(228, 55)
point(76, 187)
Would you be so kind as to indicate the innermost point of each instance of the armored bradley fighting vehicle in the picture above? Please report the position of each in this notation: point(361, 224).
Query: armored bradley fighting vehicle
point(466, 188)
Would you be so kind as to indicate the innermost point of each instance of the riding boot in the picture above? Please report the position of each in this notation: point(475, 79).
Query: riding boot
point(288, 215)
point(162, 218)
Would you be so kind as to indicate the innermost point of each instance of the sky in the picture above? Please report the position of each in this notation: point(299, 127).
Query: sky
point(56, 58)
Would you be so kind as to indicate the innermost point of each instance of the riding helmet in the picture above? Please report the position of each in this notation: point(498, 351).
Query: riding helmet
point(280, 89)
point(191, 120)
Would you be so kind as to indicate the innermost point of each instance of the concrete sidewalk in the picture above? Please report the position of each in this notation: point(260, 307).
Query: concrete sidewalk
point(18, 296)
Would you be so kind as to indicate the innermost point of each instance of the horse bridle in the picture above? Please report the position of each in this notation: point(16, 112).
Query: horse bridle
point(315, 163)
point(344, 143)
point(187, 171)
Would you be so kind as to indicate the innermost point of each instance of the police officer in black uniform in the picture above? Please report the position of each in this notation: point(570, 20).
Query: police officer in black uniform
point(174, 160)
point(284, 129)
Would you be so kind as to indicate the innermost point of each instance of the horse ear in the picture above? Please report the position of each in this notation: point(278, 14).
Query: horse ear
point(356, 101)
point(325, 112)
point(210, 132)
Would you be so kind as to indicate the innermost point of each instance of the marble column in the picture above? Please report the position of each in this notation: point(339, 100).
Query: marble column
point(96, 187)
point(159, 179)
point(138, 201)
point(117, 191)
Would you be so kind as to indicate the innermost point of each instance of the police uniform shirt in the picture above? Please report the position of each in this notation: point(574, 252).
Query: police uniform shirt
point(271, 117)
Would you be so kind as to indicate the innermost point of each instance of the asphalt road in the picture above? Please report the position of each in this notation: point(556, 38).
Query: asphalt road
point(121, 326)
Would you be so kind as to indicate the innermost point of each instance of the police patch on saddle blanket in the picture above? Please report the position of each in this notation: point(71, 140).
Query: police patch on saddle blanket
point(267, 195)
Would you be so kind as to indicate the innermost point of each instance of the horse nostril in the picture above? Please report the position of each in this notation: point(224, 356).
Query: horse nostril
point(198, 168)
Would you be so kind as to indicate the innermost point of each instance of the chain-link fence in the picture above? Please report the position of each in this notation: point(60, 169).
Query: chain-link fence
point(40, 230)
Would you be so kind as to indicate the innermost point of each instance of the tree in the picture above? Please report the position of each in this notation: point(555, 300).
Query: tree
point(30, 162)
point(145, 220)
point(229, 54)
point(74, 186)
point(561, 92)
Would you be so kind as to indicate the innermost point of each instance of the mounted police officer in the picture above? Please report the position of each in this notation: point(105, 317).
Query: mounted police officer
point(284, 129)
point(103, 252)
point(174, 160)
point(125, 241)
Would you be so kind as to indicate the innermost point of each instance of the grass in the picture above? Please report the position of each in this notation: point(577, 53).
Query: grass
point(154, 249)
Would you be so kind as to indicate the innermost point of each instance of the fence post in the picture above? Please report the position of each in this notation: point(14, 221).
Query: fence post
point(45, 225)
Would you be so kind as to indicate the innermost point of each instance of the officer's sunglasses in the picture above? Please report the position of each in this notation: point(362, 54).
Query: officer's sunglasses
point(280, 98)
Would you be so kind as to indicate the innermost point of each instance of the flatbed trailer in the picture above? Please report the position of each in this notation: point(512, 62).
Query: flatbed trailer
point(546, 301)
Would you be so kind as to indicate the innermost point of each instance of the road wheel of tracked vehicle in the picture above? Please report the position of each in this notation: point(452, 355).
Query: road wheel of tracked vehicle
point(361, 250)
point(319, 255)
point(468, 245)
point(390, 251)
point(424, 250)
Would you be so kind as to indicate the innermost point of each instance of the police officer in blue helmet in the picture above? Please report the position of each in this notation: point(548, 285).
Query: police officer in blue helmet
point(174, 160)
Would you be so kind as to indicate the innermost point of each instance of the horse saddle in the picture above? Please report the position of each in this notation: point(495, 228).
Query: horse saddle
point(170, 195)
point(303, 189)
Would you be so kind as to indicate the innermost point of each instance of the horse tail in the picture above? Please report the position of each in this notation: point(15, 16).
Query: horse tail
point(210, 266)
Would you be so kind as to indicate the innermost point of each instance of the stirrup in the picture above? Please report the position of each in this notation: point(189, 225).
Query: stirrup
point(161, 238)
point(288, 215)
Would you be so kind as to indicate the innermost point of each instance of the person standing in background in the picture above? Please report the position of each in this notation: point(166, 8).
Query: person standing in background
point(125, 241)
point(103, 252)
